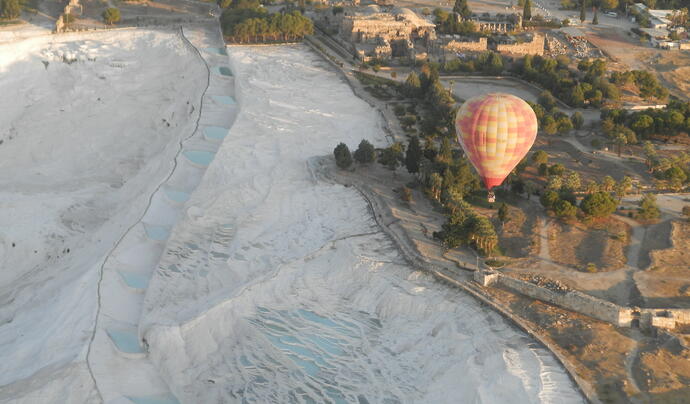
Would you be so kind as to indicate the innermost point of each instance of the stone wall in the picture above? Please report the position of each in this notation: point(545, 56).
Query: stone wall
point(588, 305)
point(664, 318)
point(571, 300)
point(534, 47)
point(472, 46)
point(72, 7)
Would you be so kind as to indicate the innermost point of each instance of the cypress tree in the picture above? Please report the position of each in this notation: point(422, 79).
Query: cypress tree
point(583, 15)
point(462, 9)
point(527, 11)
point(413, 155)
point(343, 158)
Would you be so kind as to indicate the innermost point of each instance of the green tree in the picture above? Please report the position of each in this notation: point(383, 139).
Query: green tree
point(11, 9)
point(676, 177)
point(462, 9)
point(608, 184)
point(540, 157)
point(527, 11)
point(557, 169)
point(549, 198)
point(111, 15)
point(343, 158)
point(413, 155)
point(651, 156)
point(435, 186)
point(592, 187)
point(549, 125)
point(578, 120)
point(583, 14)
point(392, 156)
point(572, 181)
point(599, 204)
point(547, 100)
point(623, 187)
point(620, 140)
point(482, 234)
point(564, 124)
point(503, 212)
point(365, 152)
point(648, 207)
point(555, 182)
point(564, 209)
point(413, 85)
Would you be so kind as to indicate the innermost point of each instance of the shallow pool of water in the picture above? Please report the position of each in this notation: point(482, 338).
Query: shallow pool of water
point(177, 196)
point(126, 341)
point(134, 280)
point(217, 51)
point(224, 99)
point(161, 399)
point(158, 233)
point(203, 158)
point(215, 132)
point(223, 71)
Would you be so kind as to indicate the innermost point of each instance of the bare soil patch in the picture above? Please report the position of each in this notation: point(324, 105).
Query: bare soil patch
point(667, 282)
point(664, 372)
point(576, 244)
point(516, 235)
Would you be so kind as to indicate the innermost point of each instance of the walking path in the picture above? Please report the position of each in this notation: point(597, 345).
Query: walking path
point(116, 357)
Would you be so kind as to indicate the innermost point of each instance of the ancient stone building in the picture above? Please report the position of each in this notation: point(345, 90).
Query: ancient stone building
point(467, 46)
point(533, 47)
point(371, 24)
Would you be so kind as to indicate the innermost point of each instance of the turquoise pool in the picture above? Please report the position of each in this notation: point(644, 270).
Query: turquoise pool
point(161, 399)
point(215, 132)
point(158, 233)
point(224, 99)
point(217, 51)
point(177, 196)
point(203, 158)
point(223, 71)
point(134, 280)
point(125, 341)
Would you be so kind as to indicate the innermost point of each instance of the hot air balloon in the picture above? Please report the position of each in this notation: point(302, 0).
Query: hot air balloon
point(496, 131)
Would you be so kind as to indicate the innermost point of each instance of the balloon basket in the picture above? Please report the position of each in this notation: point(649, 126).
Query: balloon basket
point(491, 197)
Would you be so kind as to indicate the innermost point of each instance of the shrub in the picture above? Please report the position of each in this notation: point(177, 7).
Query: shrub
point(591, 268)
point(599, 204)
point(365, 153)
point(564, 209)
point(549, 199)
point(648, 207)
point(343, 158)
point(557, 169)
point(111, 15)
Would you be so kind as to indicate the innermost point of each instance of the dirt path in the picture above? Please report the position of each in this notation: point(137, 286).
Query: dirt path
point(636, 239)
point(544, 252)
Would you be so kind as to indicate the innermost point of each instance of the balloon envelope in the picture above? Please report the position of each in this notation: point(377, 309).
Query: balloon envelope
point(496, 131)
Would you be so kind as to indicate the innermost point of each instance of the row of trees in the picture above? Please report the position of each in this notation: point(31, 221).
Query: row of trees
point(246, 21)
point(488, 62)
point(647, 84)
point(589, 86)
point(670, 173)
point(551, 119)
point(672, 120)
point(10, 9)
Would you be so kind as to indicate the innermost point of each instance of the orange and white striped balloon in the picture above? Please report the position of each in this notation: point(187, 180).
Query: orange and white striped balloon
point(496, 131)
